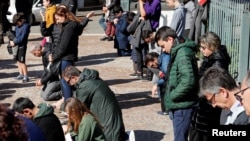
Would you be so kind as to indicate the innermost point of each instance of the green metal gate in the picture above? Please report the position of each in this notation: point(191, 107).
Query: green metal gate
point(230, 19)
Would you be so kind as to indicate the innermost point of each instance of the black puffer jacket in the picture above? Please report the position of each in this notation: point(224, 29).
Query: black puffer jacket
point(47, 76)
point(219, 58)
point(53, 31)
point(205, 116)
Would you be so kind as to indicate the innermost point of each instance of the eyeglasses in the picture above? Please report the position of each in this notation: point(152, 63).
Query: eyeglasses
point(211, 101)
point(237, 96)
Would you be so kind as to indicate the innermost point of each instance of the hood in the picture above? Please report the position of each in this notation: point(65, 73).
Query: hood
point(88, 74)
point(183, 42)
point(44, 109)
point(221, 54)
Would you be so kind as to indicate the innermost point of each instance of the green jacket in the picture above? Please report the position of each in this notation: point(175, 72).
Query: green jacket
point(89, 130)
point(101, 101)
point(182, 77)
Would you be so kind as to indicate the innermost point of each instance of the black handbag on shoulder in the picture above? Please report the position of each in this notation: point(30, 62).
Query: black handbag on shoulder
point(55, 67)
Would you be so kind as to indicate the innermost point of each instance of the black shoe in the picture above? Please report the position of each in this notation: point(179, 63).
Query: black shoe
point(104, 38)
point(142, 79)
point(110, 39)
point(133, 74)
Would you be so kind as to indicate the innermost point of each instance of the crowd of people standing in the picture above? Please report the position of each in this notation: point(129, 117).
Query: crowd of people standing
point(196, 98)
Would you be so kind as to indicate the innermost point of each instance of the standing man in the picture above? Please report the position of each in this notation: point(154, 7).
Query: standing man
point(100, 99)
point(71, 5)
point(181, 88)
point(179, 16)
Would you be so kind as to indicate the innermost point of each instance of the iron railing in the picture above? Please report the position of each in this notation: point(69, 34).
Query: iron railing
point(230, 19)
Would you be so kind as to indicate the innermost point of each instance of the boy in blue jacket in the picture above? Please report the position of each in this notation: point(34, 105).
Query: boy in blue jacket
point(22, 31)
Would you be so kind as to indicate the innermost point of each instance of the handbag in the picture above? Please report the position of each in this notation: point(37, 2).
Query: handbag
point(9, 49)
point(54, 67)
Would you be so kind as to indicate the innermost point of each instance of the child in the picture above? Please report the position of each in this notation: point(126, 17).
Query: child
point(121, 34)
point(22, 31)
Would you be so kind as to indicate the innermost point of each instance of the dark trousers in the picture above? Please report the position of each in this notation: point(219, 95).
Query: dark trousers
point(141, 51)
point(181, 122)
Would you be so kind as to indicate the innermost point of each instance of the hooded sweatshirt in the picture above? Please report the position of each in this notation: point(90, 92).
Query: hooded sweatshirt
point(49, 123)
point(101, 101)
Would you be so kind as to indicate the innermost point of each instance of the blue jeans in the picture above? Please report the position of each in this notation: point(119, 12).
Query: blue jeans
point(181, 120)
point(66, 89)
point(102, 23)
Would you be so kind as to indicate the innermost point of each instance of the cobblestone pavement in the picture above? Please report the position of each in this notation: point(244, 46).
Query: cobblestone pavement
point(138, 107)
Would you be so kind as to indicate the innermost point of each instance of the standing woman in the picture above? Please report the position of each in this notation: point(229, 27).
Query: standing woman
point(66, 49)
point(82, 123)
point(205, 116)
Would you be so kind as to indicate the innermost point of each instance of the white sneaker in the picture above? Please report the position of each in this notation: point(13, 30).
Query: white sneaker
point(131, 136)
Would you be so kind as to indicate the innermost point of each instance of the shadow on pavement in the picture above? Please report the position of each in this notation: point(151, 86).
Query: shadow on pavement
point(147, 135)
point(97, 56)
point(95, 59)
point(6, 93)
point(39, 39)
point(10, 86)
point(130, 100)
point(35, 73)
point(118, 81)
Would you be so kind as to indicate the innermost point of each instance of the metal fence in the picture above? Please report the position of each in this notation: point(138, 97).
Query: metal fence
point(230, 19)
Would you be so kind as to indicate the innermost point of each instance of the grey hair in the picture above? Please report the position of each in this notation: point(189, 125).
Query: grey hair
point(35, 47)
point(214, 79)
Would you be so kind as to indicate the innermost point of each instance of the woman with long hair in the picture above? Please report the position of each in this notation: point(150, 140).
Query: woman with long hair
point(66, 49)
point(83, 123)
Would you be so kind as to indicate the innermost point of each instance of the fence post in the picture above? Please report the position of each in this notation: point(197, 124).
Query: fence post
point(244, 52)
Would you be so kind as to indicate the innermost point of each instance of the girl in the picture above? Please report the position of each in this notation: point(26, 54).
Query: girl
point(82, 122)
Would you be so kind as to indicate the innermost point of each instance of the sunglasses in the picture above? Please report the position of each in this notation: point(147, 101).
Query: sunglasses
point(239, 98)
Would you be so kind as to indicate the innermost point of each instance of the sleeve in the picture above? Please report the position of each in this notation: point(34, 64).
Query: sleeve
point(152, 8)
point(85, 130)
point(46, 77)
point(63, 44)
point(186, 73)
point(177, 18)
point(83, 93)
point(45, 31)
point(122, 25)
point(82, 25)
point(24, 33)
